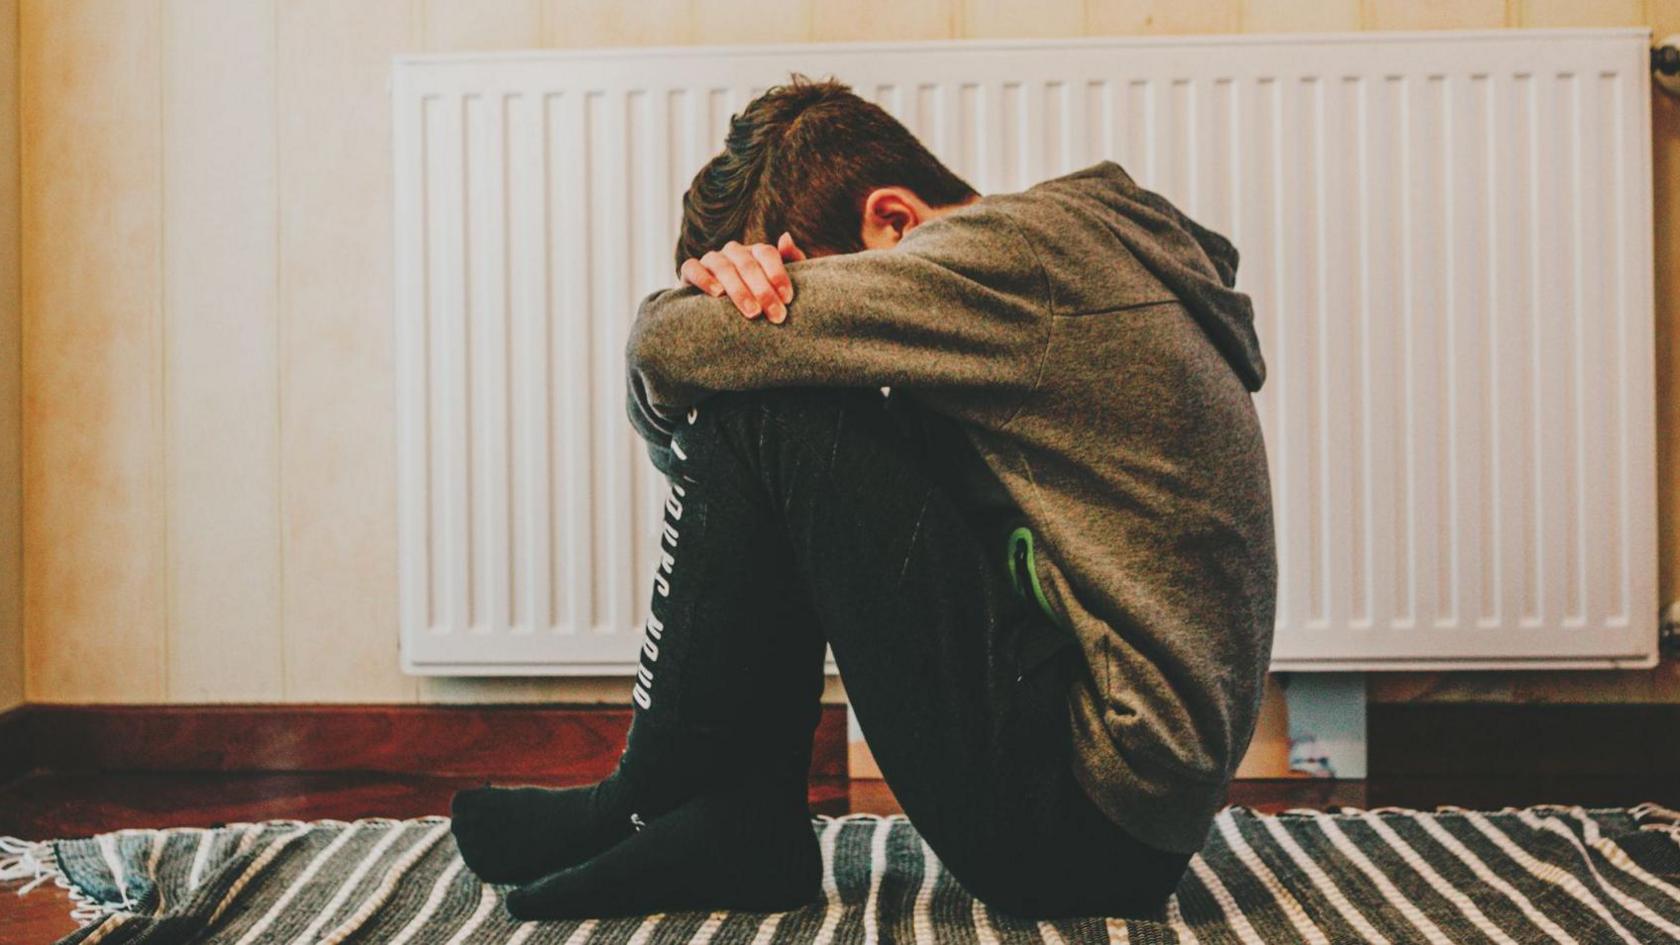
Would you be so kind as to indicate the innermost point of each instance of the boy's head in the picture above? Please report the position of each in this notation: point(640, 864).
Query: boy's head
point(816, 161)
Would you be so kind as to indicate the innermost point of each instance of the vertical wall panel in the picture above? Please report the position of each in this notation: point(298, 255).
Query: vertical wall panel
point(1554, 14)
point(481, 24)
point(337, 422)
point(982, 19)
point(221, 351)
point(614, 23)
point(884, 20)
point(11, 419)
point(1434, 14)
point(1145, 17)
point(1299, 16)
point(92, 379)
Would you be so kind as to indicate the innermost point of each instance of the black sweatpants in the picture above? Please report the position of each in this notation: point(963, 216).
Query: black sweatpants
point(802, 516)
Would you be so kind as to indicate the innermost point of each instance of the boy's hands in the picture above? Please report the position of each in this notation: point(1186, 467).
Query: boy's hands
point(752, 276)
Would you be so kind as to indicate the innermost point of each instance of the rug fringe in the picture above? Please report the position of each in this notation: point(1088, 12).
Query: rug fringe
point(34, 863)
point(31, 862)
point(1651, 810)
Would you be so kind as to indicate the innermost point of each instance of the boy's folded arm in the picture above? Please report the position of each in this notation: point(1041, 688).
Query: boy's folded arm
point(959, 308)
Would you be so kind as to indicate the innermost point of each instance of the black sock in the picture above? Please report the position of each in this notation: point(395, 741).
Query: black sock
point(510, 835)
point(748, 847)
point(514, 835)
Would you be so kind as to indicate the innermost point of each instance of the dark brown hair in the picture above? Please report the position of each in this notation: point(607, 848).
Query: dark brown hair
point(802, 158)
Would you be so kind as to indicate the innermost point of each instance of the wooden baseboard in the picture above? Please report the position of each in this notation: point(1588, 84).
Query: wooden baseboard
point(1469, 739)
point(1421, 754)
point(16, 759)
point(1493, 755)
point(1486, 755)
point(539, 742)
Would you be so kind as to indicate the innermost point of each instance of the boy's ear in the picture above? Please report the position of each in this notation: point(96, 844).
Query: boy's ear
point(888, 214)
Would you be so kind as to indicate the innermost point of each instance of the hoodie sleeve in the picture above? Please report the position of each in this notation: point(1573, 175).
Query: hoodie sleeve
point(956, 313)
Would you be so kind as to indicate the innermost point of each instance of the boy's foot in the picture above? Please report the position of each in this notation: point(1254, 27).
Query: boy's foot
point(748, 847)
point(513, 835)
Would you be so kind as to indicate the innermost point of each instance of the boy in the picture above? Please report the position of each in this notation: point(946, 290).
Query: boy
point(1044, 561)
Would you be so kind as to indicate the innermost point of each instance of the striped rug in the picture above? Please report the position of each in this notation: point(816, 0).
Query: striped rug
point(1540, 875)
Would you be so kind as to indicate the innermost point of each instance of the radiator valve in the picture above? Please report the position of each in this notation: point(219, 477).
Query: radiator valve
point(1665, 64)
point(1668, 629)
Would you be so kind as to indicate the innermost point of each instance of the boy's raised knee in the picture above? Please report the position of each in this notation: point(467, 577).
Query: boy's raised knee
point(784, 402)
point(745, 416)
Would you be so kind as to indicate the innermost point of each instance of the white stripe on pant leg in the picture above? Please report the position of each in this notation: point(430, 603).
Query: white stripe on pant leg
point(677, 449)
point(642, 691)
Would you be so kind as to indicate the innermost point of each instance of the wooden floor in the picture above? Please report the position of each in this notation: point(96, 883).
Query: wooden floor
point(69, 805)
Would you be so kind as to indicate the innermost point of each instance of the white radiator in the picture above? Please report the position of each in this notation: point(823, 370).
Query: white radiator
point(1447, 237)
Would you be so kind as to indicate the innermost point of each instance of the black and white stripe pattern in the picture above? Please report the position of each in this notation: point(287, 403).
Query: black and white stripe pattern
point(1561, 875)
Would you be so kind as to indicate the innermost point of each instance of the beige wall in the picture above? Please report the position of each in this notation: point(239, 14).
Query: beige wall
point(11, 404)
point(206, 313)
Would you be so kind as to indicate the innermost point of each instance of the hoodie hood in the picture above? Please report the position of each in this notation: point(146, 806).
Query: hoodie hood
point(1195, 263)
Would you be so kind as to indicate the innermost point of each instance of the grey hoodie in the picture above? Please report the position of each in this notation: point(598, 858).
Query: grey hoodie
point(1086, 336)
